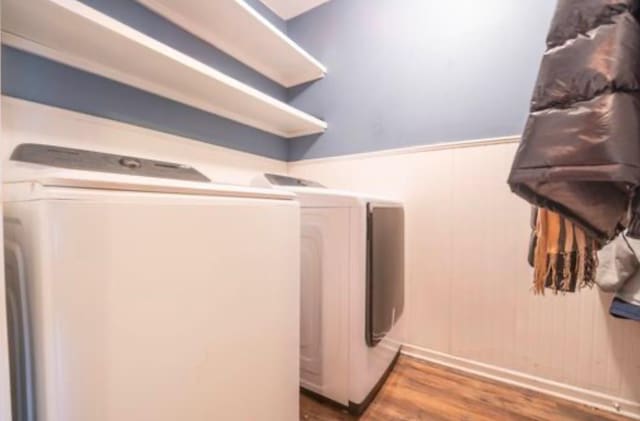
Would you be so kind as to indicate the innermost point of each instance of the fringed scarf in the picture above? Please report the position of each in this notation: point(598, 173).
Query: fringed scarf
point(565, 258)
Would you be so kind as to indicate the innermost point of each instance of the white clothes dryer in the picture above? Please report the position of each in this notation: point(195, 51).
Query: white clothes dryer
point(352, 289)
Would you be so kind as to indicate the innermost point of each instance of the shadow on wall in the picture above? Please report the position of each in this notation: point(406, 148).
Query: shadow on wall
point(619, 346)
point(300, 145)
point(294, 91)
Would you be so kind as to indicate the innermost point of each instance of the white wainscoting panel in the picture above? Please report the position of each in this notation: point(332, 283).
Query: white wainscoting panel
point(24, 121)
point(468, 282)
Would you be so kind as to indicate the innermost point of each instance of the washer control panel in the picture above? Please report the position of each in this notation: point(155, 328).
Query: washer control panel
point(78, 159)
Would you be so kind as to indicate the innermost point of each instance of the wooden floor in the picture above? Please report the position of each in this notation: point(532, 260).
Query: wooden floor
point(420, 391)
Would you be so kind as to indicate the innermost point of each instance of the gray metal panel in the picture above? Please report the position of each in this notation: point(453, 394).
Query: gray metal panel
point(385, 270)
point(78, 159)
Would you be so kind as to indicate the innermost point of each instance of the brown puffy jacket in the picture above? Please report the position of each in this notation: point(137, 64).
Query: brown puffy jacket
point(580, 152)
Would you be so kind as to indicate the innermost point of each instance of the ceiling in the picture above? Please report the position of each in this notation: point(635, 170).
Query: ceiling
point(288, 9)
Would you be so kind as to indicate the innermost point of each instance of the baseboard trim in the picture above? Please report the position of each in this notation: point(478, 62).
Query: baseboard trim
point(415, 149)
point(598, 400)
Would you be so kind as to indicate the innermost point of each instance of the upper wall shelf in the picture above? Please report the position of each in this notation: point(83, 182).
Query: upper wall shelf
point(238, 30)
point(72, 33)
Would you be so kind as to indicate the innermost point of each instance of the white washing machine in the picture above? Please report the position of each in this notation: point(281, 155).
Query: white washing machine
point(352, 266)
point(139, 291)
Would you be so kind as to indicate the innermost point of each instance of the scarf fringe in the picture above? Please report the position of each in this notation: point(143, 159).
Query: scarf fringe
point(565, 258)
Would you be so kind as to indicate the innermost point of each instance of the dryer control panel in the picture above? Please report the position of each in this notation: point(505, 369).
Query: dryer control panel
point(283, 180)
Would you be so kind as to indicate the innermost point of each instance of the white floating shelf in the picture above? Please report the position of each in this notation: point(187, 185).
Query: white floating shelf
point(238, 30)
point(72, 33)
point(288, 9)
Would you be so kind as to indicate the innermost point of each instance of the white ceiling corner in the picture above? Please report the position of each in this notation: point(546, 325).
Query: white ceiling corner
point(288, 9)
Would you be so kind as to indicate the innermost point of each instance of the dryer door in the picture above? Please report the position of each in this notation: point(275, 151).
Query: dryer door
point(385, 269)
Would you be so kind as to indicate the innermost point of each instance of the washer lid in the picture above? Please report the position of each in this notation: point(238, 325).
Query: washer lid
point(84, 170)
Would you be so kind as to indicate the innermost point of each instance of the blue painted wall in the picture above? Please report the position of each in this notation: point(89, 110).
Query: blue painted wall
point(36, 79)
point(401, 73)
point(413, 72)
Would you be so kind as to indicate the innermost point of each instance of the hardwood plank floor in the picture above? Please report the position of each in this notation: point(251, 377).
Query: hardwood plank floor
point(421, 391)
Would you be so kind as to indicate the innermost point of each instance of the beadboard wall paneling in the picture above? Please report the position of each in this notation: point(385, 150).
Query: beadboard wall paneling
point(24, 121)
point(468, 282)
